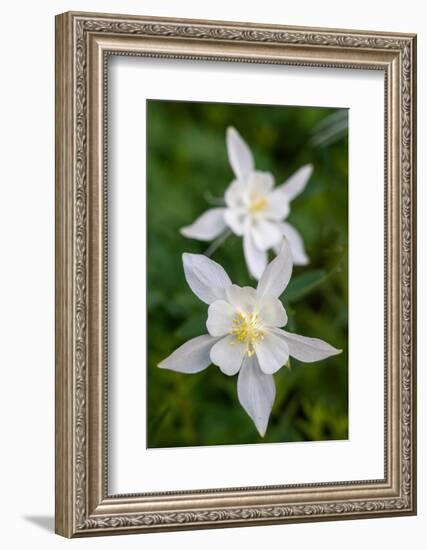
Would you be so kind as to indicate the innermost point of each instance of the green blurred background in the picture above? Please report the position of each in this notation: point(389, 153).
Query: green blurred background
point(187, 169)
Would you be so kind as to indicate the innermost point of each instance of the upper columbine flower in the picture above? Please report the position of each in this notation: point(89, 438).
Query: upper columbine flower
point(254, 209)
point(244, 335)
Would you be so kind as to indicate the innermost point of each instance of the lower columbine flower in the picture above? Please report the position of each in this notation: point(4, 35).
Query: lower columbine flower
point(244, 332)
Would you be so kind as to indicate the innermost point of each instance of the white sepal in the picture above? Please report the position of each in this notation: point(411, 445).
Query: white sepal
point(276, 275)
point(256, 392)
point(256, 259)
point(206, 278)
point(239, 154)
point(191, 357)
point(306, 349)
point(296, 183)
point(207, 226)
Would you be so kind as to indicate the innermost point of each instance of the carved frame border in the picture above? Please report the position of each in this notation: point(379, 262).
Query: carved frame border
point(83, 43)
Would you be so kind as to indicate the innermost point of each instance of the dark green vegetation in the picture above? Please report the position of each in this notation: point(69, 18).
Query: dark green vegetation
point(187, 168)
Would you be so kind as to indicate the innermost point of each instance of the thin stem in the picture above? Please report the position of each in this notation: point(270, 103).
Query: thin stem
point(217, 243)
point(215, 201)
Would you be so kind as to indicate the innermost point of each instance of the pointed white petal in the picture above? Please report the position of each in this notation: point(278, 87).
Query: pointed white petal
point(207, 279)
point(243, 299)
point(235, 219)
point(278, 206)
point(256, 259)
point(228, 355)
point(220, 318)
point(295, 185)
point(272, 312)
point(191, 357)
point(307, 349)
point(239, 154)
point(208, 226)
point(272, 353)
point(276, 276)
point(260, 183)
point(296, 243)
point(266, 234)
point(256, 392)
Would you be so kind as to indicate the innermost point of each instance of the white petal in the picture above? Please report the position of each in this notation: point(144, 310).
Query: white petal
point(191, 357)
point(207, 279)
point(276, 276)
point(272, 353)
point(295, 185)
point(256, 392)
point(208, 226)
point(272, 312)
point(256, 259)
point(220, 318)
point(239, 154)
point(235, 195)
point(244, 299)
point(228, 355)
point(235, 219)
point(278, 206)
point(295, 242)
point(266, 234)
point(307, 349)
point(260, 183)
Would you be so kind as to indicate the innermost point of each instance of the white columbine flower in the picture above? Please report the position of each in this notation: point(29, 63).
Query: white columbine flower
point(244, 335)
point(254, 209)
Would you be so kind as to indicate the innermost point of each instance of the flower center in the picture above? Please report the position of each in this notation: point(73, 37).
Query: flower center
point(247, 329)
point(258, 204)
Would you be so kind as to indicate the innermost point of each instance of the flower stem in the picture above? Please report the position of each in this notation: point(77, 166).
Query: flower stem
point(217, 243)
point(215, 201)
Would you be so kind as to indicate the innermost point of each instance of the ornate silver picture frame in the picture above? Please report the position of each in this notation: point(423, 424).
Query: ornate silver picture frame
point(84, 42)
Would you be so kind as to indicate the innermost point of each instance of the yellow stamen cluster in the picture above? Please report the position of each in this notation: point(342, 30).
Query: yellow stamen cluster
point(258, 204)
point(247, 329)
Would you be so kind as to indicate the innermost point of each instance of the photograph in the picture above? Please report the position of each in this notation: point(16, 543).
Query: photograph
point(247, 273)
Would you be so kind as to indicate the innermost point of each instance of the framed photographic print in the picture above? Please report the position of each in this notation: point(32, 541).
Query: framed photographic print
point(235, 274)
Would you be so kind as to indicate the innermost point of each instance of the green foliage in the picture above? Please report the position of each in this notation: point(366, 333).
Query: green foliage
point(187, 167)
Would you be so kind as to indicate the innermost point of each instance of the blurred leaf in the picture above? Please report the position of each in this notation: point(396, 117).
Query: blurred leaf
point(191, 327)
point(301, 285)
